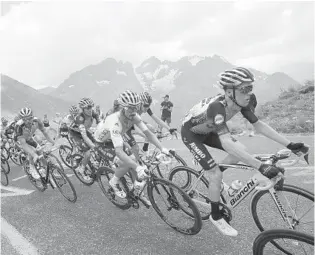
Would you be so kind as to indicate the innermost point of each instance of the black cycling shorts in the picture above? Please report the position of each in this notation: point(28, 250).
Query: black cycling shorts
point(77, 138)
point(196, 144)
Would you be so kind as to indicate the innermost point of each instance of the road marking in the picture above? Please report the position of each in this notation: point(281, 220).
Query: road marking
point(21, 177)
point(298, 167)
point(19, 243)
point(14, 191)
point(304, 173)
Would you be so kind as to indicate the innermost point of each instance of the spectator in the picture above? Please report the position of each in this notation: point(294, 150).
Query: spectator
point(46, 121)
point(166, 111)
point(99, 112)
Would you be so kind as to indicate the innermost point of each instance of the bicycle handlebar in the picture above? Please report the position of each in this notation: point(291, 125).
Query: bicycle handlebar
point(168, 157)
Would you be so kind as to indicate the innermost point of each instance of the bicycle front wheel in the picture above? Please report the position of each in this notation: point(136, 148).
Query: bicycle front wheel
point(4, 177)
point(65, 154)
point(171, 203)
point(197, 188)
point(301, 243)
point(5, 165)
point(296, 204)
point(63, 183)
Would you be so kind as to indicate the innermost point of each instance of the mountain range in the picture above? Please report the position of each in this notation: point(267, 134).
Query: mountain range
point(187, 81)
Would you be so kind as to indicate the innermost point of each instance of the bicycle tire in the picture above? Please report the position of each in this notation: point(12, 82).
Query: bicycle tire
point(4, 177)
point(78, 159)
point(178, 158)
point(171, 187)
point(5, 153)
point(65, 148)
point(33, 181)
point(190, 172)
point(270, 235)
point(102, 176)
point(258, 195)
point(65, 177)
point(5, 165)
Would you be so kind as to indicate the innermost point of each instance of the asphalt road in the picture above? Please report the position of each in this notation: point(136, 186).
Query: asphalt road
point(48, 224)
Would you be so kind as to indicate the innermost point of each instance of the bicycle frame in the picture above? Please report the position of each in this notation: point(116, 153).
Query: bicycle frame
point(231, 201)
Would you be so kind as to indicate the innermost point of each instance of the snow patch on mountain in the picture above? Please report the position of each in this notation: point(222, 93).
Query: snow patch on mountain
point(103, 83)
point(195, 59)
point(71, 86)
point(166, 83)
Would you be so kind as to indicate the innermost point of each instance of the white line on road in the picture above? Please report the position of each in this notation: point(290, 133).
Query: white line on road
point(14, 191)
point(21, 177)
point(20, 243)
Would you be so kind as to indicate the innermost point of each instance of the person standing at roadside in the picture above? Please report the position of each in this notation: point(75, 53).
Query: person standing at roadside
point(166, 111)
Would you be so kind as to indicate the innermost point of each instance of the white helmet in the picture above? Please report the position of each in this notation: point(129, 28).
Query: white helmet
point(233, 78)
point(25, 112)
point(129, 98)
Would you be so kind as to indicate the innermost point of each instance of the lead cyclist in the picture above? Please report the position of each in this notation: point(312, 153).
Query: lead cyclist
point(205, 124)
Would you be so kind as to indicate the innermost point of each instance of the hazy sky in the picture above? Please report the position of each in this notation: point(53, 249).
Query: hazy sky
point(43, 42)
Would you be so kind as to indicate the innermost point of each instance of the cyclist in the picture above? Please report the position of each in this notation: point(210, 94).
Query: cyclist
point(67, 120)
point(146, 101)
point(24, 130)
point(116, 108)
point(109, 135)
point(205, 124)
point(80, 134)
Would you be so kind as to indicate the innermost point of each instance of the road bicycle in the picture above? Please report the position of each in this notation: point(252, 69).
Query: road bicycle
point(51, 173)
point(296, 242)
point(272, 205)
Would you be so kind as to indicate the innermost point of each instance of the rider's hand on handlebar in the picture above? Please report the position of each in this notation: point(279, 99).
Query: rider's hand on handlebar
point(298, 148)
point(270, 171)
point(141, 171)
point(173, 131)
point(166, 151)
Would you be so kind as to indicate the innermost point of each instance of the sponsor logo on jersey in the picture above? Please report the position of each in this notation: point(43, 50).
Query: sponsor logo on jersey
point(218, 119)
point(116, 132)
point(194, 147)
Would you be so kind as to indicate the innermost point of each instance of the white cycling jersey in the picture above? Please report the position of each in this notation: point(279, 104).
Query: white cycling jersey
point(113, 129)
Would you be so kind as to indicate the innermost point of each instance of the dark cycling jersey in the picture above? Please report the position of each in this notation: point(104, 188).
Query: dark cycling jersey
point(46, 123)
point(211, 115)
point(83, 122)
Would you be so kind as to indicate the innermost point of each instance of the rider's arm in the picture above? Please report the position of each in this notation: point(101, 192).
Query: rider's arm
point(158, 120)
point(151, 137)
point(43, 130)
point(85, 137)
point(269, 132)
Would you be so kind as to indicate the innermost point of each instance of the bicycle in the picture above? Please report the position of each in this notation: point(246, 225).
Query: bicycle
point(195, 179)
point(5, 169)
point(301, 242)
point(15, 152)
point(158, 162)
point(153, 183)
point(51, 173)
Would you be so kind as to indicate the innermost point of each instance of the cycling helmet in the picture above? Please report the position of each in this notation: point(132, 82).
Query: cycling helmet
point(25, 112)
point(146, 98)
point(3, 119)
point(235, 78)
point(129, 98)
point(86, 102)
point(74, 110)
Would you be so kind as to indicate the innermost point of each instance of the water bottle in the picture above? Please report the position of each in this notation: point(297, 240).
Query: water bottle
point(235, 186)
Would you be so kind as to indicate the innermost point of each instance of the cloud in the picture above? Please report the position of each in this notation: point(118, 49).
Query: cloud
point(43, 42)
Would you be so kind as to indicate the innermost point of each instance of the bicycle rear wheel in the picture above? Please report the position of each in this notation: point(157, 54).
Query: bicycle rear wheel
point(5, 165)
point(63, 183)
point(298, 205)
point(103, 175)
point(4, 177)
point(37, 183)
point(301, 242)
point(179, 176)
point(165, 198)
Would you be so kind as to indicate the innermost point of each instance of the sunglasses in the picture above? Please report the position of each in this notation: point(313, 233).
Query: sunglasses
point(132, 108)
point(246, 89)
point(27, 118)
point(88, 107)
point(146, 105)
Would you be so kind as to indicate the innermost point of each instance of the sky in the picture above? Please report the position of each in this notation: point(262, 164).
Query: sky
point(42, 42)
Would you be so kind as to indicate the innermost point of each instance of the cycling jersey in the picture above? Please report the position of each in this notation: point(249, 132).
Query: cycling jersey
point(211, 115)
point(27, 132)
point(83, 122)
point(204, 124)
point(9, 129)
point(64, 125)
point(112, 129)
